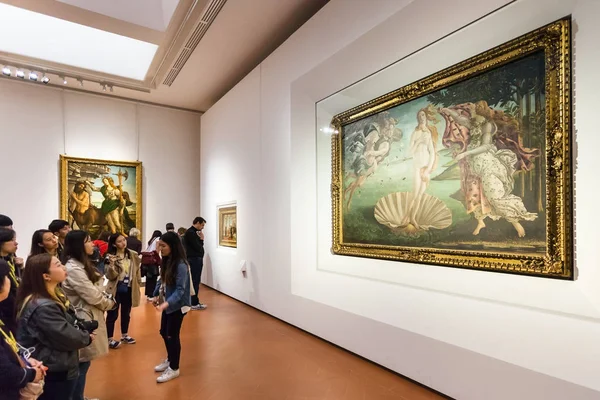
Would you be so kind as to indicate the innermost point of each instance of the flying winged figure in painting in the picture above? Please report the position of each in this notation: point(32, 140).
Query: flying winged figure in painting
point(366, 147)
point(488, 149)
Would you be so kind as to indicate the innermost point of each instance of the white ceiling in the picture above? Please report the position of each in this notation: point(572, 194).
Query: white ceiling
point(241, 36)
point(153, 14)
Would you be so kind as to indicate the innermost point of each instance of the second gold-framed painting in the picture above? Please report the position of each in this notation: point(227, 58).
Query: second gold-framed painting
point(469, 167)
point(101, 196)
point(228, 226)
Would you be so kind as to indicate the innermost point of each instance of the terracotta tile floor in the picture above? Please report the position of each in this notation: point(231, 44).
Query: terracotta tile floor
point(231, 351)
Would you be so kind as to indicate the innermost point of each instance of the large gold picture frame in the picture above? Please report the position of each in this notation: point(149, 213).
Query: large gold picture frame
point(101, 195)
point(493, 192)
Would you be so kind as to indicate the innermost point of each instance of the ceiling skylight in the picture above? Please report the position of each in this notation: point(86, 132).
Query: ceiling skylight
point(47, 38)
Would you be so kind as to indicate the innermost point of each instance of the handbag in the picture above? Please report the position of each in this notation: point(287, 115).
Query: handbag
point(32, 391)
point(150, 258)
point(123, 286)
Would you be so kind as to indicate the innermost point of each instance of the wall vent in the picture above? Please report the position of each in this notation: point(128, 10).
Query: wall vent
point(211, 11)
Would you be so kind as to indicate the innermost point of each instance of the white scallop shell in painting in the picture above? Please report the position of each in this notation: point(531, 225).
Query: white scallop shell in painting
point(393, 210)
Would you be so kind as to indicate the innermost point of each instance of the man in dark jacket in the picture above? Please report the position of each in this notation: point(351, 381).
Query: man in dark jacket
point(193, 241)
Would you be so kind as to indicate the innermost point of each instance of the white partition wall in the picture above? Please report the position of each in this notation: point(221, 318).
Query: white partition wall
point(37, 124)
point(469, 334)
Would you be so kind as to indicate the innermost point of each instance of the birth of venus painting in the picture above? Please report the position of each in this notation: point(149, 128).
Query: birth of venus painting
point(469, 167)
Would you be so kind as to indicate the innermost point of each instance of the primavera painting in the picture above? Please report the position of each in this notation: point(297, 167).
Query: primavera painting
point(101, 196)
point(469, 167)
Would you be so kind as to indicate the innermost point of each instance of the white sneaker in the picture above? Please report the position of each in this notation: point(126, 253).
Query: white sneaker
point(168, 375)
point(199, 307)
point(162, 367)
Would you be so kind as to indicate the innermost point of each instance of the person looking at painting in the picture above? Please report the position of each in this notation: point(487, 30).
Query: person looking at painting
point(8, 248)
point(150, 264)
point(84, 290)
point(17, 371)
point(122, 269)
point(44, 241)
point(60, 228)
point(173, 302)
point(193, 241)
point(6, 222)
point(133, 241)
point(47, 323)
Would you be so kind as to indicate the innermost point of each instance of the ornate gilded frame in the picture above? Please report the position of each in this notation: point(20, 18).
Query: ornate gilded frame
point(224, 211)
point(557, 262)
point(64, 184)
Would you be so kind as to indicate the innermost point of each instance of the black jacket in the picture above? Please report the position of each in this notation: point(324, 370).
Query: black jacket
point(7, 307)
point(194, 246)
point(134, 244)
point(43, 324)
point(12, 376)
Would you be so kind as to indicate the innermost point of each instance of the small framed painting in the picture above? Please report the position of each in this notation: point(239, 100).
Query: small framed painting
point(228, 226)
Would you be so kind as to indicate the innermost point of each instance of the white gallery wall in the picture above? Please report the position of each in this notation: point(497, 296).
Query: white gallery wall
point(37, 124)
point(469, 334)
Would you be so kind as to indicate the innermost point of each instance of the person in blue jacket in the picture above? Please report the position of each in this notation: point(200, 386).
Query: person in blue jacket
point(173, 300)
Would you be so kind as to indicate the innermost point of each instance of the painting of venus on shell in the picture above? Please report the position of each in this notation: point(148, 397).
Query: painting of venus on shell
point(469, 167)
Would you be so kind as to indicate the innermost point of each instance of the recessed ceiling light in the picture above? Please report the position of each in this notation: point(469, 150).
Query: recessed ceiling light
point(20, 74)
point(6, 71)
point(33, 76)
point(45, 80)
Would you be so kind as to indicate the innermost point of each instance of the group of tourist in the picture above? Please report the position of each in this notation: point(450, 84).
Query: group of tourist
point(58, 309)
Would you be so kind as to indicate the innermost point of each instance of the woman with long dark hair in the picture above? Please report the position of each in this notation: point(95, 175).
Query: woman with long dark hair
point(83, 288)
point(122, 269)
point(150, 264)
point(8, 248)
point(174, 301)
point(47, 322)
point(17, 371)
point(43, 241)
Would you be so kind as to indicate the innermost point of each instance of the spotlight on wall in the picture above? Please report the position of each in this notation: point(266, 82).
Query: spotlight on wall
point(80, 82)
point(6, 71)
point(328, 129)
point(110, 88)
point(104, 87)
point(20, 74)
point(45, 80)
point(64, 80)
point(33, 76)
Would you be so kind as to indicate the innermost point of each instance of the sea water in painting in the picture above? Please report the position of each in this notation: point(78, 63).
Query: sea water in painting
point(460, 168)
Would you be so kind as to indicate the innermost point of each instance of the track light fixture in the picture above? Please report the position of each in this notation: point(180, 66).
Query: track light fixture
point(45, 76)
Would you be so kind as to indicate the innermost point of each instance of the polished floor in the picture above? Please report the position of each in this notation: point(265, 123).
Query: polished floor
point(233, 352)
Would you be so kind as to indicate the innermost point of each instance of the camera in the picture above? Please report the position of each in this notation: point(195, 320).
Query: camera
point(88, 326)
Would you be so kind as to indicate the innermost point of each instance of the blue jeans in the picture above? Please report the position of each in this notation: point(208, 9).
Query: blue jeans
point(80, 385)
